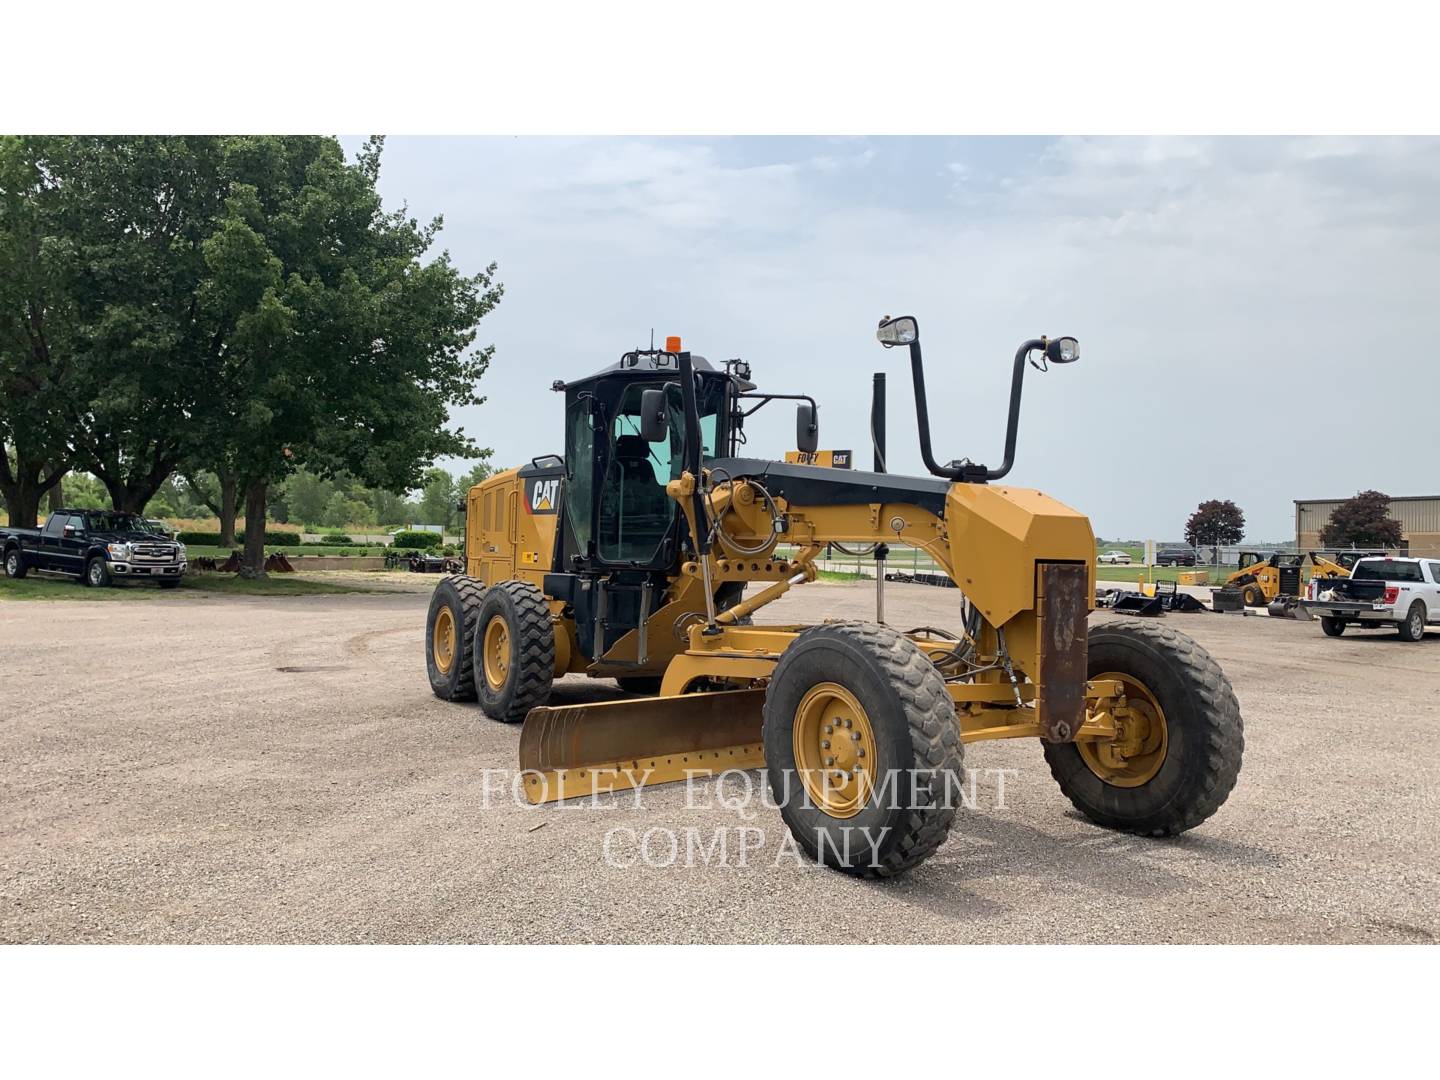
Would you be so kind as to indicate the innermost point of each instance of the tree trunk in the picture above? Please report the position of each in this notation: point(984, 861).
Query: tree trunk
point(57, 493)
point(252, 564)
point(22, 502)
point(227, 509)
point(128, 498)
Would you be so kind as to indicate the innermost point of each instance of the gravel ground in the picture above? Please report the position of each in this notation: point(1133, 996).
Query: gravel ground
point(234, 769)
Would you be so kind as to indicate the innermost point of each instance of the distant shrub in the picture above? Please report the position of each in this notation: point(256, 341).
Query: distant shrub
point(448, 550)
point(337, 538)
point(408, 538)
point(212, 539)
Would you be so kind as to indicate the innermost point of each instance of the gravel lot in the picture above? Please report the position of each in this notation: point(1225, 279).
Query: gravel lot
point(234, 769)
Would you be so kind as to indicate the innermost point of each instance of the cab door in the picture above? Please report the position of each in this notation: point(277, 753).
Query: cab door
point(51, 552)
point(73, 545)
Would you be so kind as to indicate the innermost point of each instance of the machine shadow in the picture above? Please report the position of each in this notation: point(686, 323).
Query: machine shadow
point(989, 845)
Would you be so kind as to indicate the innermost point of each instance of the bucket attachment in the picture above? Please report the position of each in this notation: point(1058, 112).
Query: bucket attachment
point(1134, 603)
point(1287, 607)
point(1172, 599)
point(573, 750)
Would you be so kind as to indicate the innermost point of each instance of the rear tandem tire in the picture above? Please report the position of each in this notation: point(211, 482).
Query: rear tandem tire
point(15, 564)
point(1204, 738)
point(909, 720)
point(1413, 628)
point(1333, 627)
point(454, 606)
point(513, 650)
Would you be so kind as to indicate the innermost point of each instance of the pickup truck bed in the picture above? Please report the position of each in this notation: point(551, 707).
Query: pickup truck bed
point(1403, 593)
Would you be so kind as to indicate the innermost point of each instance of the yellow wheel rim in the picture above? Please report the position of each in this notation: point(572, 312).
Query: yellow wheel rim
point(443, 639)
point(496, 647)
point(1136, 754)
point(834, 750)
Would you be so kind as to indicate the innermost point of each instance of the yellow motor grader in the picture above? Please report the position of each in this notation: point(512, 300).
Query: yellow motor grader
point(628, 558)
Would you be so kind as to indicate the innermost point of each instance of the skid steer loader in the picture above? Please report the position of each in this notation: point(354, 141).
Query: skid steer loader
point(628, 557)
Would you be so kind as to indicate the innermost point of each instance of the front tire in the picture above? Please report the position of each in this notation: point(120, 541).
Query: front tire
point(1413, 628)
point(1253, 596)
point(97, 574)
point(454, 606)
point(15, 564)
point(513, 651)
point(862, 749)
point(1185, 737)
point(1333, 627)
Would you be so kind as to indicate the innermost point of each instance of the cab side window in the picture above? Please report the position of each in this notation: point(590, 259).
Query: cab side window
point(55, 524)
point(1434, 572)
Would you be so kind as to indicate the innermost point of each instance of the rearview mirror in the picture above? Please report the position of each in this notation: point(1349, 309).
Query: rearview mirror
point(1063, 350)
point(901, 330)
point(654, 416)
point(807, 430)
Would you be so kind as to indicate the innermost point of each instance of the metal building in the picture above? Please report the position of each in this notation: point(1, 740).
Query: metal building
point(1419, 517)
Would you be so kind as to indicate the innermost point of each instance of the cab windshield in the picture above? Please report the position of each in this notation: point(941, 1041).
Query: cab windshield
point(115, 523)
point(636, 514)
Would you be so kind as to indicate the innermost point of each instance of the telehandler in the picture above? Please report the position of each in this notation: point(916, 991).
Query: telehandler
point(628, 559)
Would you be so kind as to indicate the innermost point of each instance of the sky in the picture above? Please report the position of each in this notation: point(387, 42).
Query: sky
point(1253, 313)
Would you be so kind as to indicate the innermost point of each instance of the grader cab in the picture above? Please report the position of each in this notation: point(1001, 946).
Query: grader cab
point(629, 558)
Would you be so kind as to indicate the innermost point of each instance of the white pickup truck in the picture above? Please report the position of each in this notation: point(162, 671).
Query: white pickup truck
point(1403, 593)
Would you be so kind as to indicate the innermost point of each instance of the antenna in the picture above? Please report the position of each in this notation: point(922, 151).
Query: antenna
point(652, 339)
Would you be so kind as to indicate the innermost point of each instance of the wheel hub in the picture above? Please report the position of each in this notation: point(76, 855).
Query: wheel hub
point(834, 748)
point(443, 640)
point(496, 648)
point(1136, 753)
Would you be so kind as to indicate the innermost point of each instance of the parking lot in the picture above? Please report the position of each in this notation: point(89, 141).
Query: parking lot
point(200, 768)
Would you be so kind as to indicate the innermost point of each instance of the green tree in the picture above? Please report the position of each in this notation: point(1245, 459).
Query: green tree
point(1215, 522)
point(215, 491)
point(387, 508)
point(437, 498)
point(135, 215)
point(37, 361)
point(1362, 521)
point(307, 496)
point(347, 349)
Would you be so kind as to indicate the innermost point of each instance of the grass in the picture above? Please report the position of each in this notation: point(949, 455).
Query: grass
point(196, 551)
point(48, 587)
point(1157, 573)
point(840, 575)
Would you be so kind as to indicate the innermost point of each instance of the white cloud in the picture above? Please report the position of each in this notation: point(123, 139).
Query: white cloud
point(1234, 297)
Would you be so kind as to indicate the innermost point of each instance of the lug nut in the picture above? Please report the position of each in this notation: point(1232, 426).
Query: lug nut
point(829, 762)
point(860, 752)
point(854, 736)
point(824, 744)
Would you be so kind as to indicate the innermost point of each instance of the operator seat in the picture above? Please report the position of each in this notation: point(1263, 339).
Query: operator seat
point(635, 511)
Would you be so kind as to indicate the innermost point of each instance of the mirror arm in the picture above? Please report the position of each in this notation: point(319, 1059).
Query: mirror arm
point(691, 455)
point(765, 399)
point(922, 418)
point(970, 473)
point(1012, 426)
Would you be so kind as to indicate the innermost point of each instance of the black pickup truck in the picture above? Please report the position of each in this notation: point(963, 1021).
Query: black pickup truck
point(100, 547)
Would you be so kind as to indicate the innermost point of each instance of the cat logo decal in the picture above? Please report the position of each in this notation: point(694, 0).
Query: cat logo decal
point(543, 496)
